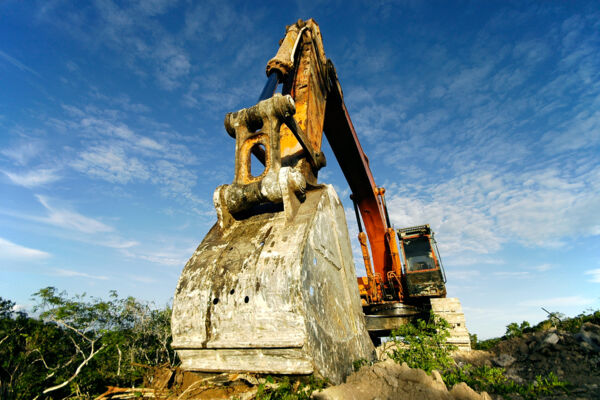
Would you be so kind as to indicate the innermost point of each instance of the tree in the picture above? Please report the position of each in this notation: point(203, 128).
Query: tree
point(80, 344)
point(28, 350)
point(85, 323)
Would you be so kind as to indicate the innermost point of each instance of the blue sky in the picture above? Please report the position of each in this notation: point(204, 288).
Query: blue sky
point(480, 118)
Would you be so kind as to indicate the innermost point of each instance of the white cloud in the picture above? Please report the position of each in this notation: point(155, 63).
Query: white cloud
point(543, 267)
point(149, 143)
point(133, 32)
point(174, 65)
point(111, 163)
point(511, 274)
point(480, 211)
point(582, 131)
point(23, 152)
point(118, 243)
point(142, 279)
point(18, 64)
point(595, 275)
point(33, 178)
point(71, 273)
point(113, 151)
point(532, 51)
point(70, 219)
point(10, 250)
point(171, 258)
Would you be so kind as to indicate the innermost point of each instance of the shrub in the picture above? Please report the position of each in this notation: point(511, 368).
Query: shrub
point(515, 330)
point(423, 345)
point(494, 380)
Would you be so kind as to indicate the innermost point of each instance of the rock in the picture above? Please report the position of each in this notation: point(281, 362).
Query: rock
point(461, 391)
point(591, 386)
point(512, 376)
point(503, 360)
point(475, 357)
point(587, 347)
point(523, 349)
point(536, 357)
point(552, 338)
point(589, 337)
point(437, 377)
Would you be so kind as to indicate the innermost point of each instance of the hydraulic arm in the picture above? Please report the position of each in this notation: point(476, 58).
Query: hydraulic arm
point(312, 81)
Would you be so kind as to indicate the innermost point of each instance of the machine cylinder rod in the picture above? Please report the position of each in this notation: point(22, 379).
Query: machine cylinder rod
point(271, 85)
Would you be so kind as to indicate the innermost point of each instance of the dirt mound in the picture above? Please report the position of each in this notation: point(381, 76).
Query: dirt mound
point(574, 358)
point(389, 380)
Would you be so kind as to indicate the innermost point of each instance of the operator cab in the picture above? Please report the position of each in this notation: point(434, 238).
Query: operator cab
point(423, 271)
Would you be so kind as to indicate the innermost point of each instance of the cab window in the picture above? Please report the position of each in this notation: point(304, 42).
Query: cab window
point(418, 254)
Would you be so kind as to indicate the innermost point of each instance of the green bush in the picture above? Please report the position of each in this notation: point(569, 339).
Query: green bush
point(423, 344)
point(515, 330)
point(486, 344)
point(494, 380)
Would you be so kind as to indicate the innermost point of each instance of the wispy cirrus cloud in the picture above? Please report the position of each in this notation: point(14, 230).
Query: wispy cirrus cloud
point(110, 163)
point(23, 152)
point(112, 149)
point(131, 31)
point(481, 211)
point(10, 250)
point(16, 63)
point(33, 178)
point(543, 267)
point(594, 275)
point(74, 225)
point(168, 255)
point(68, 219)
point(77, 274)
point(513, 164)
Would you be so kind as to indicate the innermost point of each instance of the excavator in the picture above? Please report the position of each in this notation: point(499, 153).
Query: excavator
point(272, 288)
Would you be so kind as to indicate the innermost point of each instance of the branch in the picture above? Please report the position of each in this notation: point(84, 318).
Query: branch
point(119, 368)
point(77, 331)
point(77, 371)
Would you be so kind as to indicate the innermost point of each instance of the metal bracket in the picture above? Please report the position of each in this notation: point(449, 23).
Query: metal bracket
point(258, 125)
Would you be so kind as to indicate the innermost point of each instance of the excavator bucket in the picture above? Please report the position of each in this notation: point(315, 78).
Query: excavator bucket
point(272, 287)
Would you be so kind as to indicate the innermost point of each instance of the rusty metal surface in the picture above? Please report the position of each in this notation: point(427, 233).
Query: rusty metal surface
point(308, 85)
point(258, 125)
point(425, 284)
point(284, 59)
